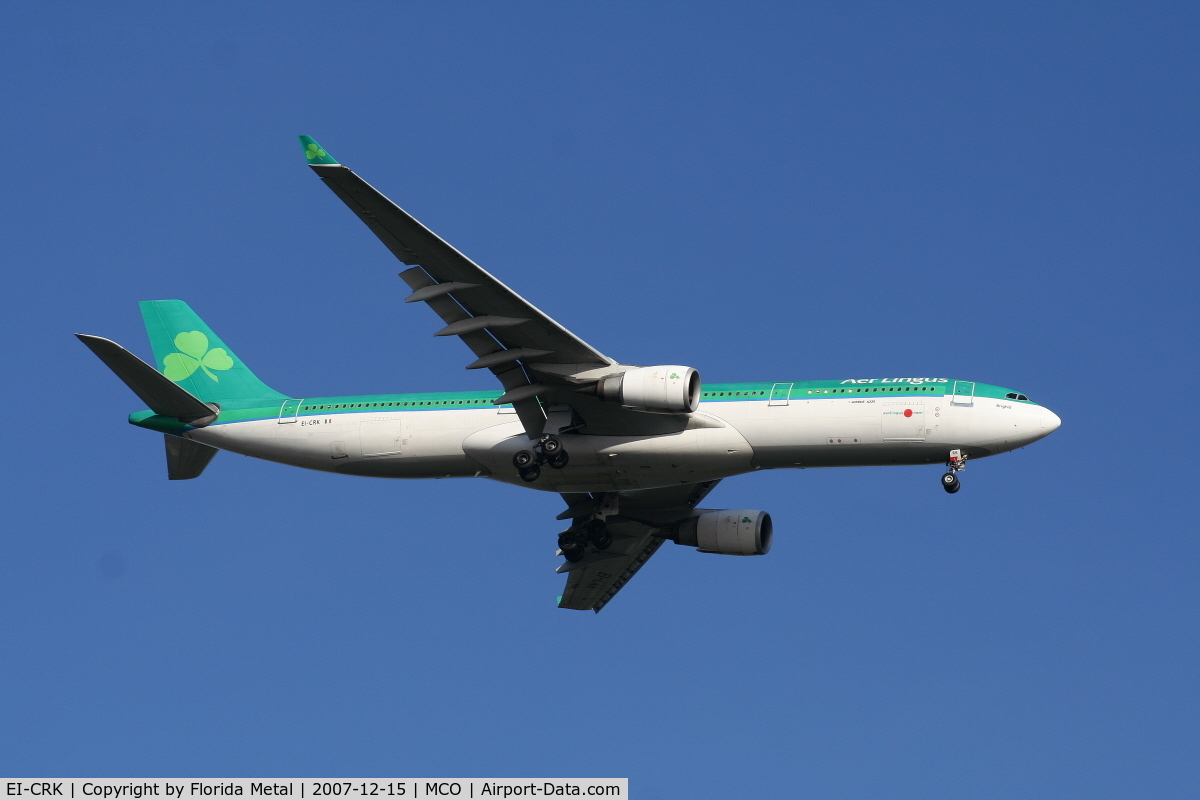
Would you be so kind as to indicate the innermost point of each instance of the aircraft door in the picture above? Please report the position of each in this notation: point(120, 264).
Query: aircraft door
point(904, 422)
point(963, 393)
point(380, 437)
point(780, 394)
point(289, 410)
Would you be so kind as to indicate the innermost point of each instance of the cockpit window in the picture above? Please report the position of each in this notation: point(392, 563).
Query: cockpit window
point(1015, 396)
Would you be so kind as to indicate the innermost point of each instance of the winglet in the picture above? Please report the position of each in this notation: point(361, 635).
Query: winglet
point(314, 152)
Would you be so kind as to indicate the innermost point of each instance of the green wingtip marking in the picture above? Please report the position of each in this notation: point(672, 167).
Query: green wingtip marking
point(314, 152)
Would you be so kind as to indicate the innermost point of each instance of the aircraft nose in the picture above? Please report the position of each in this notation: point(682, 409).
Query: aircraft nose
point(1050, 421)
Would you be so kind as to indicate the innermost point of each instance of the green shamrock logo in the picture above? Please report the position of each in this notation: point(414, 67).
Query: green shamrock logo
point(314, 152)
point(746, 519)
point(193, 355)
point(674, 376)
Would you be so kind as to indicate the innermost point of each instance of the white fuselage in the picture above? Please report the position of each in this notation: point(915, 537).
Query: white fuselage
point(722, 439)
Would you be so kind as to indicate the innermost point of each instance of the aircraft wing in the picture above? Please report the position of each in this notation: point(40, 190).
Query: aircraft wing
point(507, 333)
point(639, 519)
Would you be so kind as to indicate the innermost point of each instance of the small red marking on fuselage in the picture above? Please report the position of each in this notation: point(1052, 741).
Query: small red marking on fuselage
point(908, 412)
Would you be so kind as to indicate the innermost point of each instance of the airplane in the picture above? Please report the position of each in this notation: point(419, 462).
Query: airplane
point(632, 450)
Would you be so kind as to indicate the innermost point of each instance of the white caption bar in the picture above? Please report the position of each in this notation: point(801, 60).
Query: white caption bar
point(308, 789)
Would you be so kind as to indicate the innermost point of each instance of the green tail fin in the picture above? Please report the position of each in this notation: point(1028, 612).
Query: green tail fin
point(189, 353)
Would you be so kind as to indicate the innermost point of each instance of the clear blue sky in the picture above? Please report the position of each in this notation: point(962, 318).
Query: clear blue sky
point(1001, 192)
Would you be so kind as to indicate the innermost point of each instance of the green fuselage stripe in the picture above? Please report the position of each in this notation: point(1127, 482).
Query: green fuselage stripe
point(778, 392)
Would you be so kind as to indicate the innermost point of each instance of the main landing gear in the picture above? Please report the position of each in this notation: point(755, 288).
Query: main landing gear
point(956, 464)
point(546, 450)
point(574, 540)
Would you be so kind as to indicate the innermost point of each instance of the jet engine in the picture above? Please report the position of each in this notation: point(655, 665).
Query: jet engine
point(729, 532)
point(669, 389)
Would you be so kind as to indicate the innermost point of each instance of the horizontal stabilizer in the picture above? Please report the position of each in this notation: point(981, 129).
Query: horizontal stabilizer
point(156, 390)
point(186, 459)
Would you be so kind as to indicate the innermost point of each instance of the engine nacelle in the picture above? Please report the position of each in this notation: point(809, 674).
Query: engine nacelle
point(669, 389)
point(729, 532)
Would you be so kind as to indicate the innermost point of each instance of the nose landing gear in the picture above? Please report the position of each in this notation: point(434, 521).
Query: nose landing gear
point(546, 450)
point(956, 464)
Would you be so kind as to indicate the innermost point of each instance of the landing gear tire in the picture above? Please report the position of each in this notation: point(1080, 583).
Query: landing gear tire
point(551, 445)
point(599, 535)
point(950, 482)
point(573, 544)
point(558, 460)
point(522, 459)
point(531, 474)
